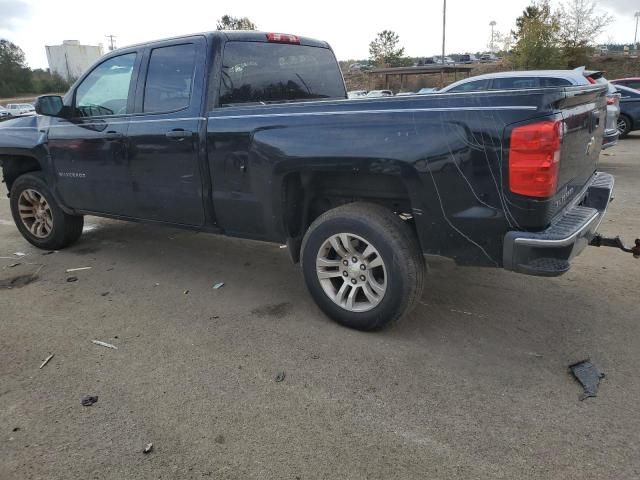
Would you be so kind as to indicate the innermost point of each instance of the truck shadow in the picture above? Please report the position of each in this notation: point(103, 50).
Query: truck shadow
point(480, 311)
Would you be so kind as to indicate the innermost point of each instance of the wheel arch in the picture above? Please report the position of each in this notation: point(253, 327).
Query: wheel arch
point(16, 164)
point(307, 194)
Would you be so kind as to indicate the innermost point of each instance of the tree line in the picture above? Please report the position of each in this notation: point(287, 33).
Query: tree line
point(17, 78)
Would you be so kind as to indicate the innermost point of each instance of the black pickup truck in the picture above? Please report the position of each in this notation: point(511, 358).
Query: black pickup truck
point(251, 135)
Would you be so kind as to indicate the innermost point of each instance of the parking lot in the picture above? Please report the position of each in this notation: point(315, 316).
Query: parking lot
point(474, 384)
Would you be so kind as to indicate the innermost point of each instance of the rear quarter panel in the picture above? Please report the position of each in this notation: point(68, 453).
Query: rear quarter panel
point(446, 149)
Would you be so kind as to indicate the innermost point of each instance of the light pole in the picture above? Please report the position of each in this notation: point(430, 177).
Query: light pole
point(492, 23)
point(444, 29)
point(635, 36)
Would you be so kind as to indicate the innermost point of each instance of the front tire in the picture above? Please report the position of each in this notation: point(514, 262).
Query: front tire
point(624, 125)
point(362, 265)
point(38, 216)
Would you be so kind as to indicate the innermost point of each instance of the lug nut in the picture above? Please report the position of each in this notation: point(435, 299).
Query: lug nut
point(362, 277)
point(354, 259)
point(345, 273)
point(345, 262)
point(353, 280)
point(363, 267)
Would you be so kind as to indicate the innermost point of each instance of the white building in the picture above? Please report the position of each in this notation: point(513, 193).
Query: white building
point(71, 59)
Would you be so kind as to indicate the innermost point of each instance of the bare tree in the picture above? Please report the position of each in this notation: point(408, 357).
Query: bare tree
point(580, 24)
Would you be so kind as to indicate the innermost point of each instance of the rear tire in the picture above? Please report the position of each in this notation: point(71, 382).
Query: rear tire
point(362, 265)
point(624, 125)
point(38, 216)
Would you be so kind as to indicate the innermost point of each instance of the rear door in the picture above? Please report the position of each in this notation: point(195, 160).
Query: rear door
point(164, 133)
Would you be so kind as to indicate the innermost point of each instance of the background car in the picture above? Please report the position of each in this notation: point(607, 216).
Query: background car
point(447, 60)
point(380, 93)
point(631, 82)
point(4, 113)
point(18, 109)
point(629, 118)
point(467, 59)
point(542, 79)
point(427, 90)
point(357, 94)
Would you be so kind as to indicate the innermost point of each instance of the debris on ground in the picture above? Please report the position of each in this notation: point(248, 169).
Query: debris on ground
point(283, 246)
point(72, 279)
point(104, 344)
point(156, 284)
point(19, 254)
point(280, 376)
point(49, 252)
point(46, 360)
point(104, 294)
point(148, 447)
point(18, 281)
point(13, 265)
point(69, 270)
point(218, 285)
point(88, 400)
point(589, 376)
point(219, 439)
point(186, 292)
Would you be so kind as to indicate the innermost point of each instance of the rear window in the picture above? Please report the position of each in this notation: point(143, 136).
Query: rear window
point(254, 72)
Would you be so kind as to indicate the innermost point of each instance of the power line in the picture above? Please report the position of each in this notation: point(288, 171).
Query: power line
point(112, 42)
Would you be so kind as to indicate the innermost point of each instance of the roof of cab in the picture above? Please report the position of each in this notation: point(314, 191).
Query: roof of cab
point(232, 35)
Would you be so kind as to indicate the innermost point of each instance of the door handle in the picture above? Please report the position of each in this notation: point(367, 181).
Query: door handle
point(178, 134)
point(111, 135)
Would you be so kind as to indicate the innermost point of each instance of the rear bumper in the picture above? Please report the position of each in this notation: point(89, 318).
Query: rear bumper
point(549, 252)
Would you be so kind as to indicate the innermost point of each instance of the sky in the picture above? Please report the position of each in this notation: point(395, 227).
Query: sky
point(347, 26)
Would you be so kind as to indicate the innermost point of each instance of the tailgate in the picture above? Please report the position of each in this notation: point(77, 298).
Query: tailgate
point(580, 116)
point(584, 114)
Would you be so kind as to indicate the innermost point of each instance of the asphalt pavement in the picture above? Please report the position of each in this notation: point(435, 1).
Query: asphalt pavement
point(474, 384)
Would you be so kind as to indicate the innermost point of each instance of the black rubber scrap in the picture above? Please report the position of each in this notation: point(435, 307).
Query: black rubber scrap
point(89, 400)
point(589, 376)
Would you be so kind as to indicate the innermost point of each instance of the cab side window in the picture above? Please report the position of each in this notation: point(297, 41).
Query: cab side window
point(169, 78)
point(105, 91)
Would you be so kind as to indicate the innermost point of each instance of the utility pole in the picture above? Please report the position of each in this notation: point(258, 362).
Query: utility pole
point(492, 23)
point(444, 31)
point(635, 36)
point(112, 42)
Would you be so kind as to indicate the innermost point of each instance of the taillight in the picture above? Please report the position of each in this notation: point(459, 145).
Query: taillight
point(534, 158)
point(613, 100)
point(283, 38)
point(591, 80)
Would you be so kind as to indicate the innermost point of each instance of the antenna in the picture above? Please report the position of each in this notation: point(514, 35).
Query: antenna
point(112, 42)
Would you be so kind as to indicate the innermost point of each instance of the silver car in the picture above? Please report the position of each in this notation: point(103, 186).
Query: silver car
point(542, 79)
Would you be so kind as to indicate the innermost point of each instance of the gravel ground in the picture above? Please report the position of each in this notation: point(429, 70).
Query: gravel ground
point(473, 384)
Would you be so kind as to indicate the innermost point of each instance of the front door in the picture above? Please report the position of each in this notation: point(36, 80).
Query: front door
point(164, 134)
point(89, 150)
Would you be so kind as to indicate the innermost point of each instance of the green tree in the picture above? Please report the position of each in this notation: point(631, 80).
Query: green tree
point(580, 23)
point(227, 22)
point(385, 51)
point(15, 76)
point(537, 38)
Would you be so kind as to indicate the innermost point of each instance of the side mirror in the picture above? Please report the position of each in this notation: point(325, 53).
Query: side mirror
point(50, 105)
